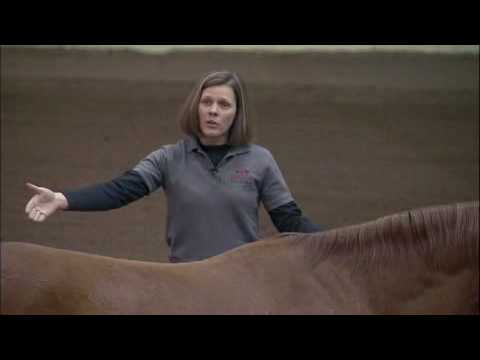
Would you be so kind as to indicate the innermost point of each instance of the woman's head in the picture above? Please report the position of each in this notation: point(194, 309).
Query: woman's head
point(216, 110)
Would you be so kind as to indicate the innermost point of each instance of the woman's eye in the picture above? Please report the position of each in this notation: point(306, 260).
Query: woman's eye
point(206, 102)
point(224, 104)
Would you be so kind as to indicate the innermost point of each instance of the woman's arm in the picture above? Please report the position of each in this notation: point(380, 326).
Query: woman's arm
point(288, 218)
point(109, 195)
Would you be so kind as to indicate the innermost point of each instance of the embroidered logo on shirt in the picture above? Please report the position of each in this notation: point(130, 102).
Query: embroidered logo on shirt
point(241, 176)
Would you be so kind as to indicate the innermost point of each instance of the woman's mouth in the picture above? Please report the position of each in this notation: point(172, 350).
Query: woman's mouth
point(212, 124)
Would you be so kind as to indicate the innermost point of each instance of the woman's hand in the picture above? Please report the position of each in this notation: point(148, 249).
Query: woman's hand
point(44, 203)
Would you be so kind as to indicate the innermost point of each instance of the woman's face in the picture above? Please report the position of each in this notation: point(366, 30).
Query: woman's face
point(216, 112)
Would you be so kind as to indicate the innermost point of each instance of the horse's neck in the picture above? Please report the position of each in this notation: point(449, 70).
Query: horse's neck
point(401, 287)
point(414, 291)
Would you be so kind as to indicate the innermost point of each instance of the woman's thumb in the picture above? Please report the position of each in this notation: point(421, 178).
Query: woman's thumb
point(34, 187)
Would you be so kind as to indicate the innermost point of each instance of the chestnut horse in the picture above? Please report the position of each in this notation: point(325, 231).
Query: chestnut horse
point(423, 261)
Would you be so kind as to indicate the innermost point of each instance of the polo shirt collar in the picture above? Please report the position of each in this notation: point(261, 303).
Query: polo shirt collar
point(193, 145)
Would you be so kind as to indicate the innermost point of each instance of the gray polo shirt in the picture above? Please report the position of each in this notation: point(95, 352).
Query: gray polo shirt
point(213, 209)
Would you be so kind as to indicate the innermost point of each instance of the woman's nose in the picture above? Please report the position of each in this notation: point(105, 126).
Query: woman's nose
point(213, 109)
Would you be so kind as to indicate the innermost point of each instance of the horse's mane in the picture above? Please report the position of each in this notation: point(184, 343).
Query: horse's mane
point(426, 232)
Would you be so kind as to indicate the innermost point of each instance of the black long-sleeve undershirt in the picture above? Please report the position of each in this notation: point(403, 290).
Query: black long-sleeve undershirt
point(130, 186)
point(110, 195)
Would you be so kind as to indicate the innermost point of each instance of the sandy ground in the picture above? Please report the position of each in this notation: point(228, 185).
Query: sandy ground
point(357, 136)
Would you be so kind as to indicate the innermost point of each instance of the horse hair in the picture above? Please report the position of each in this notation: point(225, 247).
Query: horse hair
point(406, 236)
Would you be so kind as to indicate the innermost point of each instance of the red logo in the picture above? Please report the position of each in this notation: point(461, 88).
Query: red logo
point(241, 176)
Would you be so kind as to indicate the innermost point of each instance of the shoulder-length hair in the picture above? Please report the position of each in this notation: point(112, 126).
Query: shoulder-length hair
point(240, 131)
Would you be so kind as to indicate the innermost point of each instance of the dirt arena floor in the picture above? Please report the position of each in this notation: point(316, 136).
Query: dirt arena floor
point(357, 135)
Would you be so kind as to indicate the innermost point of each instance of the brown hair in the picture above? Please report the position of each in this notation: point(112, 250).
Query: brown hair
point(448, 230)
point(240, 131)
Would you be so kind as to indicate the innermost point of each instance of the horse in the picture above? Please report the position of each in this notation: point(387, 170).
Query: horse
point(421, 261)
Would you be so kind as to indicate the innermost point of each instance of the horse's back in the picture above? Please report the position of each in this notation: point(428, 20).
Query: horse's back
point(43, 280)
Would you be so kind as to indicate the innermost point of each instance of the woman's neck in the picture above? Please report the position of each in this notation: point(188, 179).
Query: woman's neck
point(211, 141)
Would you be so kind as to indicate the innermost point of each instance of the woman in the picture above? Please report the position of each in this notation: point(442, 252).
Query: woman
point(213, 178)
